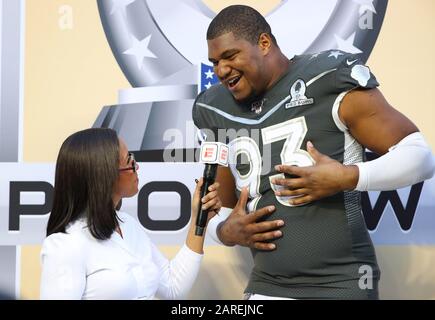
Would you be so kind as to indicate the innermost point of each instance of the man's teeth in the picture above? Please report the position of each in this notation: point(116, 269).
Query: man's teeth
point(233, 81)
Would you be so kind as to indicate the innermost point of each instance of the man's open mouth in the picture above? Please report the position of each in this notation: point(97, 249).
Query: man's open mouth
point(233, 81)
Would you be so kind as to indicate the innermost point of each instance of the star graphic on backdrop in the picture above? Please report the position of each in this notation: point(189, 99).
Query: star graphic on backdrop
point(314, 56)
point(208, 85)
point(209, 74)
point(347, 45)
point(366, 5)
point(335, 54)
point(140, 50)
point(120, 6)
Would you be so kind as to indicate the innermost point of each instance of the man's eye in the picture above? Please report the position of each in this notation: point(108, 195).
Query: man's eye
point(231, 57)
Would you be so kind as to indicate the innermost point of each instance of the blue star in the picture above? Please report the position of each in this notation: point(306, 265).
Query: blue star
point(209, 74)
point(207, 77)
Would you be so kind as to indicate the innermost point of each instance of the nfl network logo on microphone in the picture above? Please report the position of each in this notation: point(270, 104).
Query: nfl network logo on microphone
point(214, 152)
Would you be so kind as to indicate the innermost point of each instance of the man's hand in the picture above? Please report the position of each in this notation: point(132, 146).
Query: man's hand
point(243, 229)
point(327, 177)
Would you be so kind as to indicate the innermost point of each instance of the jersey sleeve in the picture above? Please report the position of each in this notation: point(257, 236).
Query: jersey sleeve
point(206, 124)
point(198, 117)
point(352, 73)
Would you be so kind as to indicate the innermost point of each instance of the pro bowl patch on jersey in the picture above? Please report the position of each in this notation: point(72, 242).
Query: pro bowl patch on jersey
point(297, 93)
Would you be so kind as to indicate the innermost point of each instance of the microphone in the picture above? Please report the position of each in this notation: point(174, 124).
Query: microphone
point(212, 154)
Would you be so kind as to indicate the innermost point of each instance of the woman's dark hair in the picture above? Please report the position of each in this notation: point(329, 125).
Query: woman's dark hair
point(86, 173)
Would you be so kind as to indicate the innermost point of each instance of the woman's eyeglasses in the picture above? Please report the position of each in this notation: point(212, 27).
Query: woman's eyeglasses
point(132, 162)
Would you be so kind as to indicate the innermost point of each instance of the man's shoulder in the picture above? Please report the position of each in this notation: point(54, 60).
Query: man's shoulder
point(215, 96)
point(212, 103)
point(335, 70)
point(328, 60)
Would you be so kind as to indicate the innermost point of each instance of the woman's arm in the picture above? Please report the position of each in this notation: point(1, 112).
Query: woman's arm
point(212, 202)
point(179, 274)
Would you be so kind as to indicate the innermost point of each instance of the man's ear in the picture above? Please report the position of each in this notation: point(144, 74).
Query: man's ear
point(265, 43)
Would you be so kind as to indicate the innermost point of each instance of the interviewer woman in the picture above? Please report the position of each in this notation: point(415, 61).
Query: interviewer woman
point(93, 251)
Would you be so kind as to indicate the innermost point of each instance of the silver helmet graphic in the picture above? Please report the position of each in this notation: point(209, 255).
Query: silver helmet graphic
point(160, 44)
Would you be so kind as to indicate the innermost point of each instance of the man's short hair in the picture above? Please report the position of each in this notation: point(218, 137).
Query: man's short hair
point(243, 21)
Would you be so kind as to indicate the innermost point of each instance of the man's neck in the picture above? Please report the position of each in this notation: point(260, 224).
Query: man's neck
point(279, 68)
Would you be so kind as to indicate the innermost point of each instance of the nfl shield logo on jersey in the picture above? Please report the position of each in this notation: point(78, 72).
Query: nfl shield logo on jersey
point(297, 94)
